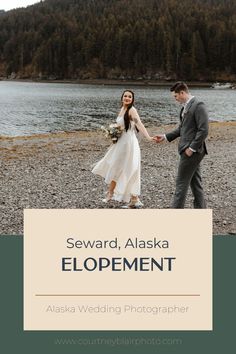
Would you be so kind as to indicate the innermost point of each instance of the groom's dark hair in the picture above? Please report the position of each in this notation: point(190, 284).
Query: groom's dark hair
point(179, 86)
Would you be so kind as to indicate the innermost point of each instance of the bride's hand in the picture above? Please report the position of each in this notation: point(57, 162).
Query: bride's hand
point(159, 138)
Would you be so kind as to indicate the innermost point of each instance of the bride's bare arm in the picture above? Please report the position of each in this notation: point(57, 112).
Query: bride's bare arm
point(136, 119)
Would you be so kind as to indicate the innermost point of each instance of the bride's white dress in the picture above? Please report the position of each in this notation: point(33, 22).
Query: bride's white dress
point(121, 164)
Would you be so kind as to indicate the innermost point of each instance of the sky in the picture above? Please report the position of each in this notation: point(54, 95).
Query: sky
point(12, 4)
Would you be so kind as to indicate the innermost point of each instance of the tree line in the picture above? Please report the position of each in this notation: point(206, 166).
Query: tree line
point(114, 39)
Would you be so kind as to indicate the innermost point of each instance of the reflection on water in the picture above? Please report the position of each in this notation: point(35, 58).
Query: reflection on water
point(32, 108)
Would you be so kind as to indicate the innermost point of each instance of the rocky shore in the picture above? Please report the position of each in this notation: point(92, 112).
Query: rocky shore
point(54, 171)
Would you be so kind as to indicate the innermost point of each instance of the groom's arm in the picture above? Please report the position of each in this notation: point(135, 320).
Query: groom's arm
point(201, 118)
point(168, 137)
point(173, 134)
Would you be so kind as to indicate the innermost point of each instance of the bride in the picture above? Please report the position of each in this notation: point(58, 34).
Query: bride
point(120, 167)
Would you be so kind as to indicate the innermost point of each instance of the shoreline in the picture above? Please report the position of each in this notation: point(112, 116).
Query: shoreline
point(118, 82)
point(97, 131)
point(54, 171)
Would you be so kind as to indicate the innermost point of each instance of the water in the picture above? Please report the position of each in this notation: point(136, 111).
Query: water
point(33, 108)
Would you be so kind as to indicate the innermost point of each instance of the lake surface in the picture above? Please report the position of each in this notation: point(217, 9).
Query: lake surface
point(32, 108)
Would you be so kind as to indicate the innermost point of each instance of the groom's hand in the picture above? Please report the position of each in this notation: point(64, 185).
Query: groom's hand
point(188, 152)
point(159, 138)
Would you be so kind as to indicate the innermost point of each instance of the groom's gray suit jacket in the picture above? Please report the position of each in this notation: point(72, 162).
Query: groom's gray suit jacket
point(193, 127)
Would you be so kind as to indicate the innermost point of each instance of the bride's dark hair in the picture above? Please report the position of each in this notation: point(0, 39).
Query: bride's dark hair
point(126, 116)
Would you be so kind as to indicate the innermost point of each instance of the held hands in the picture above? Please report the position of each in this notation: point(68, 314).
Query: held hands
point(159, 138)
point(152, 139)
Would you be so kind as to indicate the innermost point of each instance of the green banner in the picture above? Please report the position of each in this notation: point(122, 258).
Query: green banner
point(13, 339)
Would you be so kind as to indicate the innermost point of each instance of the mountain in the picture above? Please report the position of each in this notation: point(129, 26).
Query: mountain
point(148, 39)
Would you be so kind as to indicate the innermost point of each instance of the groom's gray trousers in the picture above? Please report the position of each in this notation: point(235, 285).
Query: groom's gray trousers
point(189, 175)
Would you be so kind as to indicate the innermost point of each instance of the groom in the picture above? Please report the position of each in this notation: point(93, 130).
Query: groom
point(192, 131)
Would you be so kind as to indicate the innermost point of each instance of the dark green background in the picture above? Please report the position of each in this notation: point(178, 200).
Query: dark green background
point(13, 339)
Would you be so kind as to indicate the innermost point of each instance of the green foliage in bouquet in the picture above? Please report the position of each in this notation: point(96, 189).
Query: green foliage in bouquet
point(113, 131)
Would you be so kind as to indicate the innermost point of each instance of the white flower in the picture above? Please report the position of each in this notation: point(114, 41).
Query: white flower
point(113, 131)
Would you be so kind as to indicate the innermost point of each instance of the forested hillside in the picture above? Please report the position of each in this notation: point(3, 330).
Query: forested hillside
point(149, 39)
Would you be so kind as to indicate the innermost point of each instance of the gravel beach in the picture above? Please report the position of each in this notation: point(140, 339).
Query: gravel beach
point(54, 171)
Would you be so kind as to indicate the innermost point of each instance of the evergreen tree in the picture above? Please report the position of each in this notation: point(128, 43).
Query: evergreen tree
point(192, 39)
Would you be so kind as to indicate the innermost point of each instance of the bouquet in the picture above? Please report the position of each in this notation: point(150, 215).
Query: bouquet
point(113, 131)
